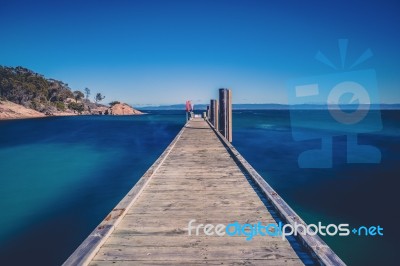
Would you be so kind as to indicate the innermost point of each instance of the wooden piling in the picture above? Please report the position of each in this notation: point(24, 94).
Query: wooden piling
point(214, 113)
point(225, 113)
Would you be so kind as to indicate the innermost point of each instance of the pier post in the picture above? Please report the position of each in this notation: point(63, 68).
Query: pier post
point(214, 113)
point(225, 114)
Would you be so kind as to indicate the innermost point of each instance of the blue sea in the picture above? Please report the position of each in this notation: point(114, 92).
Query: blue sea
point(60, 176)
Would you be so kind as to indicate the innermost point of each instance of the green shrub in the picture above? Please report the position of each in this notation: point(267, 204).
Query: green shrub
point(114, 103)
point(60, 106)
point(78, 107)
point(35, 104)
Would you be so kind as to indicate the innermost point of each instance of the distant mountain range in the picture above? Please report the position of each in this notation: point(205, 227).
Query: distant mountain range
point(269, 106)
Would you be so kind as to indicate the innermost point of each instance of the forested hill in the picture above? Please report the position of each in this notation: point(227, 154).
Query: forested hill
point(22, 89)
point(32, 90)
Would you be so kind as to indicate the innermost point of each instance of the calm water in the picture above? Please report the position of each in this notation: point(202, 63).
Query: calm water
point(59, 177)
point(358, 194)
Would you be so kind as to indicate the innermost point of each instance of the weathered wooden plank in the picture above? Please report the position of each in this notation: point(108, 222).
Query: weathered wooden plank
point(118, 238)
point(196, 252)
point(162, 211)
point(89, 247)
point(199, 178)
point(251, 262)
point(315, 244)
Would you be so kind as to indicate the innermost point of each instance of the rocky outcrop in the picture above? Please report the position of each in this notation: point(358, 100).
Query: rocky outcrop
point(123, 109)
point(98, 110)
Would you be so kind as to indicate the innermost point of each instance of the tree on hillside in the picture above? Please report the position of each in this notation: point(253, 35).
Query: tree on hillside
point(78, 95)
point(56, 93)
point(114, 103)
point(33, 90)
point(77, 107)
point(99, 97)
point(87, 92)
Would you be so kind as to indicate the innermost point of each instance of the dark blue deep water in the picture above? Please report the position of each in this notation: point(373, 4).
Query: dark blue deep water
point(357, 194)
point(59, 177)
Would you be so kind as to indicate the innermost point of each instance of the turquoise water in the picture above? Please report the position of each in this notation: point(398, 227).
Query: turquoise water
point(59, 177)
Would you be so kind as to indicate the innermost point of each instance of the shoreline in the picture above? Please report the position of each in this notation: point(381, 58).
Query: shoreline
point(31, 117)
point(13, 111)
point(49, 116)
point(10, 110)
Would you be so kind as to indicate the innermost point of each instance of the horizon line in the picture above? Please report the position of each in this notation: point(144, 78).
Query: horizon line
point(283, 104)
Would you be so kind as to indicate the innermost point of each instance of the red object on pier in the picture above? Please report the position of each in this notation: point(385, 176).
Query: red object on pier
point(188, 106)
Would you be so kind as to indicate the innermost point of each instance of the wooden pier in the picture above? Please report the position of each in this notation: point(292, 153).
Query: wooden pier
point(199, 176)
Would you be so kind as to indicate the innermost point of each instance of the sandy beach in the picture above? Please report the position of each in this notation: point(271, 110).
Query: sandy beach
point(10, 110)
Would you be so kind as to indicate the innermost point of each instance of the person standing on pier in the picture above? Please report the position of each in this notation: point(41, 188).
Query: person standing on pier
point(188, 109)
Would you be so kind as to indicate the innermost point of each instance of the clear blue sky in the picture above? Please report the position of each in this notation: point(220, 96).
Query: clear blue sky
point(164, 52)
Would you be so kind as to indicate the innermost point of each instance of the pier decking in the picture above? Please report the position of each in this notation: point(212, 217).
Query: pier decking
point(199, 176)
